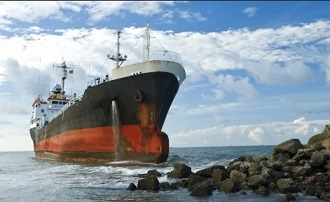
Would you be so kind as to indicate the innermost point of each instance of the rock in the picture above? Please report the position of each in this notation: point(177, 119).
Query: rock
point(257, 180)
point(153, 172)
point(228, 186)
point(263, 191)
point(327, 165)
point(254, 169)
point(318, 159)
point(219, 175)
point(165, 185)
point(207, 172)
point(316, 141)
point(302, 170)
point(258, 158)
point(194, 179)
point(303, 154)
point(282, 157)
point(202, 189)
point(290, 147)
point(180, 171)
point(310, 190)
point(149, 183)
point(132, 187)
point(286, 185)
point(237, 176)
point(242, 166)
point(289, 197)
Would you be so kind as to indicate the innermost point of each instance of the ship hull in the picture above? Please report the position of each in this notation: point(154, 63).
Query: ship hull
point(117, 120)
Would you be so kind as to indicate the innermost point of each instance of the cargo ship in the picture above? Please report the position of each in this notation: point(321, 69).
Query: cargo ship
point(118, 118)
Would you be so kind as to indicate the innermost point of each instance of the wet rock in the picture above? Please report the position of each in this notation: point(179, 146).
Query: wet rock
point(237, 176)
point(132, 187)
point(153, 172)
point(202, 189)
point(219, 175)
point(228, 186)
point(207, 172)
point(165, 186)
point(290, 147)
point(286, 185)
point(180, 171)
point(194, 179)
point(150, 183)
point(263, 191)
point(289, 197)
point(310, 190)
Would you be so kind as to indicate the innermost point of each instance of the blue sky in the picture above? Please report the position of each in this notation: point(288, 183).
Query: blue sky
point(258, 72)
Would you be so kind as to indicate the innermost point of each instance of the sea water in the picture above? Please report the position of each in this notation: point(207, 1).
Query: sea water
point(25, 178)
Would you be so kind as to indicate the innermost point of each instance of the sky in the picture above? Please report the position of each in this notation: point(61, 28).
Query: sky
point(258, 72)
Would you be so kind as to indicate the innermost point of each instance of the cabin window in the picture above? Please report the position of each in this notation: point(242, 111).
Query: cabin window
point(42, 110)
point(55, 102)
point(60, 102)
point(65, 103)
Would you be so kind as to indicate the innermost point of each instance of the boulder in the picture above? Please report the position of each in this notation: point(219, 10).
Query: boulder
point(263, 191)
point(153, 172)
point(219, 175)
point(202, 189)
point(165, 186)
point(228, 186)
point(207, 172)
point(194, 179)
point(321, 139)
point(257, 180)
point(237, 176)
point(132, 187)
point(259, 157)
point(318, 159)
point(303, 154)
point(180, 171)
point(290, 147)
point(286, 185)
point(150, 183)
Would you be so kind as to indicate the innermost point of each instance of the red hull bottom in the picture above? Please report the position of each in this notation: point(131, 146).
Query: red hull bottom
point(105, 144)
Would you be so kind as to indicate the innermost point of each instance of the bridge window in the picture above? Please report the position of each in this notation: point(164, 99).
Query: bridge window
point(54, 102)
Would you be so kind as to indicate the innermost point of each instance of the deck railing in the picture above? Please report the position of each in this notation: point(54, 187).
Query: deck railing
point(165, 55)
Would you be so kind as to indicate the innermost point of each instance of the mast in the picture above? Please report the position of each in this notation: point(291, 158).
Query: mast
point(146, 44)
point(118, 58)
point(64, 74)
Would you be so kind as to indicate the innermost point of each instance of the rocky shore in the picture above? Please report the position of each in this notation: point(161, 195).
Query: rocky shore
point(292, 168)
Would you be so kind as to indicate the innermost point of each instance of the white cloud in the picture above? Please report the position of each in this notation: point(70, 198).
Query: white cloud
point(32, 11)
point(250, 11)
point(191, 16)
point(256, 135)
point(270, 133)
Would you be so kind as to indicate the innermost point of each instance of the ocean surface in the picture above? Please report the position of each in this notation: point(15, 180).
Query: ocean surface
point(25, 178)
